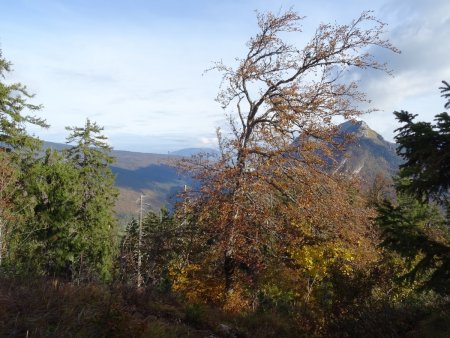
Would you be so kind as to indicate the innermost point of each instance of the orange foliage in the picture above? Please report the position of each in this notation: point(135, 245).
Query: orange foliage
point(274, 193)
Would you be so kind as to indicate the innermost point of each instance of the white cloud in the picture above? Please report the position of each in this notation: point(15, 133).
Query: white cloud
point(209, 141)
point(420, 29)
point(139, 72)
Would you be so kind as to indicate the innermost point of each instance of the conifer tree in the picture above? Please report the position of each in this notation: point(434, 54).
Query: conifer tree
point(19, 151)
point(48, 241)
point(159, 245)
point(90, 155)
point(417, 225)
point(425, 147)
point(13, 112)
point(8, 181)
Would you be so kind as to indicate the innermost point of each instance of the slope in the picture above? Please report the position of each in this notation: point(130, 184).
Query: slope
point(369, 154)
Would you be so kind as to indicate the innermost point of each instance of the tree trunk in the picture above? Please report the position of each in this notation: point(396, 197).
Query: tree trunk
point(228, 267)
point(1, 241)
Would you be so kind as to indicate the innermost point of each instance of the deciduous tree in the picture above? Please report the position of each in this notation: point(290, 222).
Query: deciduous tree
point(272, 193)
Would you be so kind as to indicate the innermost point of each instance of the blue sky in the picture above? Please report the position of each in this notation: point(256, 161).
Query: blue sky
point(136, 67)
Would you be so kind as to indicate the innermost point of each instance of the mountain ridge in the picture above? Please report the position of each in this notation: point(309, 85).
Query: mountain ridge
point(155, 175)
point(369, 154)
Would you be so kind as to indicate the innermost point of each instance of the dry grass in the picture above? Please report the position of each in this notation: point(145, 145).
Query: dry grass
point(38, 307)
point(51, 308)
point(31, 307)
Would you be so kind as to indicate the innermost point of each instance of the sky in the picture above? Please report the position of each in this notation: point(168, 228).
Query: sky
point(137, 67)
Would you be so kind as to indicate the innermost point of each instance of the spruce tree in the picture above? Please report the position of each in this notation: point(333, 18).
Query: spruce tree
point(160, 244)
point(425, 147)
point(418, 232)
point(19, 151)
point(14, 106)
point(48, 242)
point(90, 155)
point(417, 225)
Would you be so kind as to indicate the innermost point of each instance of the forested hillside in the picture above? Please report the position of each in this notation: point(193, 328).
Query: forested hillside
point(366, 156)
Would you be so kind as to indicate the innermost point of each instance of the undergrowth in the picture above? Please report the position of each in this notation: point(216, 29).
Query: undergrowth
point(44, 307)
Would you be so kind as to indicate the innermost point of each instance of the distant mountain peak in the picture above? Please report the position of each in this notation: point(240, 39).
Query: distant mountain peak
point(368, 154)
point(360, 129)
point(352, 126)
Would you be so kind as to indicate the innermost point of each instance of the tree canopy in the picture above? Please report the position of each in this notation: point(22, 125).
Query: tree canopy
point(90, 157)
point(425, 147)
point(272, 200)
point(417, 225)
point(14, 104)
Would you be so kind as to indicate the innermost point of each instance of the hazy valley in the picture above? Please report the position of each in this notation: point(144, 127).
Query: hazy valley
point(156, 175)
